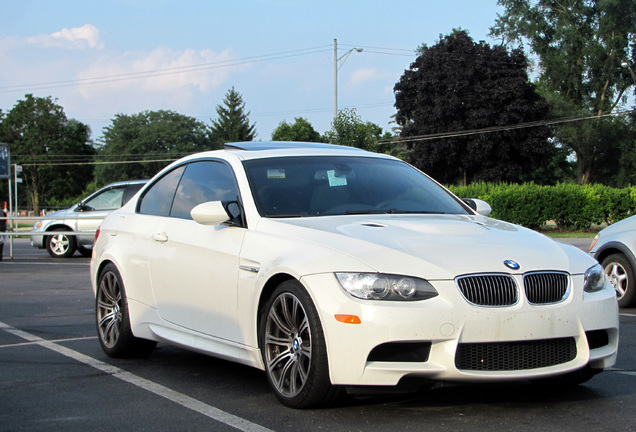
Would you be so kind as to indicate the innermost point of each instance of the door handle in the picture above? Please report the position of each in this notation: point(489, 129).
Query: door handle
point(160, 237)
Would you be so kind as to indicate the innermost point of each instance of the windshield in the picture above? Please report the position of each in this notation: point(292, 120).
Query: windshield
point(333, 185)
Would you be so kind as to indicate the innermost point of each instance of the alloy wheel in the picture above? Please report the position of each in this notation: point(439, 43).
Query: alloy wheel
point(288, 345)
point(109, 313)
point(618, 277)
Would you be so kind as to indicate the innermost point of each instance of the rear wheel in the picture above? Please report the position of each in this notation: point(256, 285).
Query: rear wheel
point(621, 274)
point(113, 321)
point(60, 244)
point(84, 251)
point(293, 348)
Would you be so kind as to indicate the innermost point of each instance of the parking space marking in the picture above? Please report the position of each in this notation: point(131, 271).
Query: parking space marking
point(39, 261)
point(174, 396)
point(55, 340)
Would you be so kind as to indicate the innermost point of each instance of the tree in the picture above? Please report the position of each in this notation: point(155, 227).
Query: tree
point(300, 130)
point(50, 148)
point(233, 124)
point(458, 86)
point(156, 137)
point(348, 129)
point(580, 45)
point(616, 166)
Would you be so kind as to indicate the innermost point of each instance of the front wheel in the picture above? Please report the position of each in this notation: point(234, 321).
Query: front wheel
point(293, 348)
point(113, 321)
point(621, 274)
point(60, 244)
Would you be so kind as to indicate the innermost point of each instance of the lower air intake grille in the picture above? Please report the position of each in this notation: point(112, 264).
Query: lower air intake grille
point(546, 288)
point(509, 356)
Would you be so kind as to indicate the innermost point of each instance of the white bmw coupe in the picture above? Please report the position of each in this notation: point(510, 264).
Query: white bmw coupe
point(330, 267)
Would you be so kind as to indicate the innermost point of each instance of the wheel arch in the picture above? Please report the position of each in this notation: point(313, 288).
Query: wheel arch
point(272, 283)
point(98, 271)
point(615, 247)
point(57, 227)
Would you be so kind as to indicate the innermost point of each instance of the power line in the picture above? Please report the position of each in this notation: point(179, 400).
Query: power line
point(196, 68)
point(441, 135)
point(419, 138)
point(98, 163)
point(166, 71)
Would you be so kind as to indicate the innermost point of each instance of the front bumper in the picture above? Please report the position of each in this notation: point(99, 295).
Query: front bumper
point(37, 241)
point(424, 338)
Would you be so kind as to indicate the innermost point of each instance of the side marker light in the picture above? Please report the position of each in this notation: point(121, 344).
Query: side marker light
point(348, 319)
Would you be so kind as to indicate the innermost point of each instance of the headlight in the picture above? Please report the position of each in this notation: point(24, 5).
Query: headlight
point(37, 225)
point(594, 242)
point(594, 279)
point(377, 286)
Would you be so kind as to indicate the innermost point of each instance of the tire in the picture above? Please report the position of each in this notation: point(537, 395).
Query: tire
point(293, 349)
point(619, 270)
point(87, 253)
point(60, 245)
point(112, 318)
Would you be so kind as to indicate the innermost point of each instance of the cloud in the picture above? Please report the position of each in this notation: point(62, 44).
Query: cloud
point(365, 75)
point(70, 38)
point(162, 71)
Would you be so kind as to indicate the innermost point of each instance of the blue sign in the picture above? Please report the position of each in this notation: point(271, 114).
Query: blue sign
point(5, 161)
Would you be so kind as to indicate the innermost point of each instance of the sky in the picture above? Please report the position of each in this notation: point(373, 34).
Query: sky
point(102, 58)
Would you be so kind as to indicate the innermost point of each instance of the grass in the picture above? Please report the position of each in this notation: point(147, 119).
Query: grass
point(573, 234)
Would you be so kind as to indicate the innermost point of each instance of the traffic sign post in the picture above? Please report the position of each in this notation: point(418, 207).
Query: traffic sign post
point(5, 173)
point(5, 161)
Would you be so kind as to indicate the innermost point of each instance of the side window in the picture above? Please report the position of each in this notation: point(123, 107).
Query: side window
point(110, 199)
point(202, 182)
point(131, 190)
point(158, 199)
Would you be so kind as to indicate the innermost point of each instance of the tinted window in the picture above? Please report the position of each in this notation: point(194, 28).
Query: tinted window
point(313, 186)
point(202, 182)
point(131, 190)
point(158, 199)
point(110, 199)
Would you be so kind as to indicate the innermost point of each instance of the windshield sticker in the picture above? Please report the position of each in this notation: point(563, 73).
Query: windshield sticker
point(336, 180)
point(275, 173)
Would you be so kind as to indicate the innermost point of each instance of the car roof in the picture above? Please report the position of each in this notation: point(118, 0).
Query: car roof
point(275, 149)
point(123, 183)
point(279, 145)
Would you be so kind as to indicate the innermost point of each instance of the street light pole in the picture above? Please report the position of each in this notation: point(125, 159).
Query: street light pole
point(631, 71)
point(336, 67)
point(335, 79)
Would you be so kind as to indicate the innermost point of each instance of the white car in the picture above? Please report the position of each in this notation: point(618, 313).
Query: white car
point(330, 267)
point(55, 235)
point(614, 248)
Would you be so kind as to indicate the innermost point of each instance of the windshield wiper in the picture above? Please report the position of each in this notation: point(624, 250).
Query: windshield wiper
point(363, 212)
point(285, 216)
point(391, 211)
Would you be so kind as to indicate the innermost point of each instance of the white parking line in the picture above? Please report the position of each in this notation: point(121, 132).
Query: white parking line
point(36, 342)
point(37, 261)
point(179, 398)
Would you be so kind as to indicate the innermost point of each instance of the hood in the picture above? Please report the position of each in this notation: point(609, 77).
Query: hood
point(434, 246)
point(627, 224)
point(62, 213)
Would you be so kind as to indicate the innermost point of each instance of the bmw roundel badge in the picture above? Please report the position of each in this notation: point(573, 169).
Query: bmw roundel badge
point(513, 265)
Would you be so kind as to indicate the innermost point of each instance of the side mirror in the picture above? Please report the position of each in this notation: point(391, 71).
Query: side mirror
point(80, 206)
point(481, 207)
point(210, 213)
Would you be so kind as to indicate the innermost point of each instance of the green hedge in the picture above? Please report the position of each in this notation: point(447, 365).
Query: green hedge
point(570, 206)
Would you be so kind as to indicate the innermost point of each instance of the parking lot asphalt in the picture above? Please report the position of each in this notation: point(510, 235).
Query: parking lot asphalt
point(55, 377)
